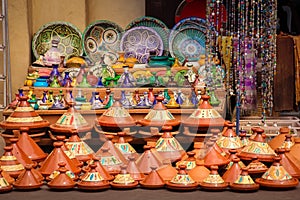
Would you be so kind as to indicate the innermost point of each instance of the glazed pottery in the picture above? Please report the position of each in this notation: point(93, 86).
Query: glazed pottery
point(288, 142)
point(159, 61)
point(244, 138)
point(293, 154)
point(125, 148)
point(276, 142)
point(153, 180)
point(189, 162)
point(5, 186)
point(134, 170)
point(92, 180)
point(6, 176)
point(19, 153)
point(111, 163)
point(232, 156)
point(256, 168)
point(182, 181)
point(147, 160)
point(200, 172)
point(289, 165)
point(199, 150)
point(123, 180)
point(99, 168)
point(244, 183)
point(233, 172)
point(10, 164)
point(166, 171)
point(277, 177)
point(213, 181)
point(62, 181)
point(213, 156)
point(27, 180)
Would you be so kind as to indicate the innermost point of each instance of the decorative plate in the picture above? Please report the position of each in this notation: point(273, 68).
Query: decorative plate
point(188, 43)
point(191, 22)
point(160, 27)
point(70, 39)
point(140, 41)
point(101, 41)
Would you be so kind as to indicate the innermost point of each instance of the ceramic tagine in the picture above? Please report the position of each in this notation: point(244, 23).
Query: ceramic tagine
point(293, 154)
point(99, 168)
point(200, 172)
point(153, 180)
point(5, 186)
point(213, 156)
point(244, 182)
point(182, 181)
point(62, 181)
point(123, 180)
point(233, 172)
point(276, 142)
point(148, 160)
point(277, 177)
point(27, 180)
point(233, 155)
point(290, 166)
point(125, 148)
point(256, 168)
point(189, 162)
point(213, 181)
point(134, 170)
point(111, 163)
point(10, 164)
point(167, 171)
point(19, 153)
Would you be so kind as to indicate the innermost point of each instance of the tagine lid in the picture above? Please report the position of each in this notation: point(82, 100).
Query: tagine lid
point(213, 156)
point(159, 116)
point(284, 134)
point(62, 180)
point(124, 180)
point(213, 181)
point(10, 164)
point(134, 170)
point(148, 160)
point(153, 179)
point(100, 169)
point(277, 177)
point(24, 116)
point(5, 186)
point(189, 162)
point(229, 138)
point(233, 172)
point(19, 153)
point(200, 172)
point(244, 182)
point(290, 166)
point(111, 163)
point(116, 116)
point(204, 116)
point(166, 171)
point(125, 148)
point(256, 167)
point(27, 180)
point(70, 120)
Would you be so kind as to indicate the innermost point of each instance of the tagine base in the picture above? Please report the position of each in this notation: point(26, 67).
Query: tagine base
point(65, 130)
point(158, 186)
point(214, 187)
point(93, 187)
point(287, 184)
point(60, 187)
point(244, 187)
point(32, 187)
point(123, 186)
point(6, 189)
point(182, 187)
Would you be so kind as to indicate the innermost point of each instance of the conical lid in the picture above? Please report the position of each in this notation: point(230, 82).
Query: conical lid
point(288, 142)
point(189, 162)
point(276, 176)
point(5, 186)
point(166, 171)
point(112, 149)
point(233, 172)
point(152, 144)
point(256, 167)
point(213, 156)
point(292, 168)
point(10, 164)
point(257, 147)
point(199, 150)
point(278, 141)
point(182, 180)
point(295, 149)
point(78, 147)
point(134, 170)
point(71, 120)
point(116, 116)
point(244, 182)
point(200, 172)
point(27, 180)
point(124, 179)
point(213, 181)
point(54, 158)
point(6, 176)
point(205, 116)
point(232, 156)
point(92, 180)
point(159, 116)
point(24, 116)
point(168, 147)
point(62, 180)
point(148, 160)
point(244, 139)
point(109, 161)
point(30, 147)
point(125, 148)
point(100, 169)
point(19, 153)
point(153, 180)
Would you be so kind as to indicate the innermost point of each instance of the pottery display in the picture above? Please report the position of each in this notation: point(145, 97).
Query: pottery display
point(233, 172)
point(189, 162)
point(167, 171)
point(153, 180)
point(5, 186)
point(62, 181)
point(147, 160)
point(289, 165)
point(200, 172)
point(99, 168)
point(134, 170)
point(123, 180)
point(27, 181)
point(10, 164)
point(111, 163)
point(214, 157)
point(213, 181)
point(279, 140)
point(244, 182)
point(125, 148)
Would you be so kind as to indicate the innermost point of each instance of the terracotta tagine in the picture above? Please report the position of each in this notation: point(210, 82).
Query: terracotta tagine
point(244, 138)
point(213, 181)
point(99, 168)
point(293, 154)
point(233, 172)
point(148, 160)
point(27, 180)
point(57, 156)
point(152, 145)
point(213, 156)
point(257, 147)
point(62, 181)
point(217, 147)
point(256, 168)
point(6, 176)
point(153, 180)
point(134, 170)
point(189, 162)
point(203, 118)
point(166, 171)
point(78, 147)
point(200, 172)
point(277, 177)
point(125, 148)
point(244, 182)
point(229, 138)
point(199, 150)
point(168, 147)
point(71, 120)
point(5, 186)
point(289, 165)
point(123, 180)
point(10, 164)
point(115, 118)
point(19, 153)
point(182, 181)
point(111, 163)
point(92, 180)
point(30, 147)
point(278, 141)
point(288, 143)
point(233, 155)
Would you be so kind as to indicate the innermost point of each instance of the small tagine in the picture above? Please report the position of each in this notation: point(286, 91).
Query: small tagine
point(123, 180)
point(213, 181)
point(134, 170)
point(257, 147)
point(111, 163)
point(200, 172)
point(5, 186)
point(233, 155)
point(244, 138)
point(233, 172)
point(166, 171)
point(277, 177)
point(125, 148)
point(10, 164)
point(148, 160)
point(213, 156)
point(244, 182)
point(27, 180)
point(189, 162)
point(182, 180)
point(92, 180)
point(278, 141)
point(153, 180)
point(256, 168)
point(62, 181)
point(293, 154)
point(99, 168)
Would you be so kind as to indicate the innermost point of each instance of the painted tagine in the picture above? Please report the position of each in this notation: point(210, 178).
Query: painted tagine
point(124, 180)
point(125, 148)
point(10, 164)
point(244, 182)
point(283, 139)
point(5, 186)
point(213, 181)
point(62, 181)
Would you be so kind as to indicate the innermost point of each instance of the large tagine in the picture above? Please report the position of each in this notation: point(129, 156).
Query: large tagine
point(204, 117)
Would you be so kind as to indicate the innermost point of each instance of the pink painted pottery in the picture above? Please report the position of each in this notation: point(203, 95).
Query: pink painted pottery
point(213, 181)
point(148, 160)
point(62, 181)
point(92, 180)
point(292, 168)
point(200, 172)
point(153, 180)
point(27, 180)
point(5, 186)
point(233, 172)
point(134, 170)
point(125, 148)
point(244, 182)
point(111, 163)
point(277, 177)
point(278, 141)
point(30, 147)
point(124, 180)
point(99, 168)
point(182, 180)
point(189, 162)
point(10, 164)
point(213, 156)
point(166, 171)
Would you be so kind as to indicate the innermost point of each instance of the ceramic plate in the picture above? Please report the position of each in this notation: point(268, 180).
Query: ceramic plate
point(138, 42)
point(160, 27)
point(101, 41)
point(70, 39)
point(188, 43)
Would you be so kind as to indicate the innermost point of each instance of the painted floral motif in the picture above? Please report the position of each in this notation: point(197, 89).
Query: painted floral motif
point(213, 178)
point(184, 179)
point(159, 115)
point(123, 179)
point(259, 148)
point(79, 148)
point(168, 144)
point(276, 173)
point(229, 142)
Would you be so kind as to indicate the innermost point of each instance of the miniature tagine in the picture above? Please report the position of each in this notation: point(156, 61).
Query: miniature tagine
point(123, 180)
point(99, 168)
point(256, 168)
point(125, 148)
point(213, 181)
point(200, 172)
point(27, 180)
point(62, 181)
point(153, 180)
point(257, 147)
point(232, 156)
point(167, 171)
point(10, 164)
point(244, 182)
point(293, 154)
point(147, 160)
point(134, 170)
point(277, 177)
point(182, 181)
point(279, 140)
point(5, 186)
point(111, 163)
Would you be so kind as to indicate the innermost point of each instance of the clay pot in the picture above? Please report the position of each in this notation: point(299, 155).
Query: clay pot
point(27, 180)
point(153, 180)
point(200, 172)
point(233, 172)
point(148, 160)
point(125, 148)
point(10, 164)
point(292, 168)
point(109, 161)
point(213, 156)
point(213, 181)
point(189, 162)
point(62, 181)
point(166, 171)
point(134, 170)
point(123, 180)
point(5, 186)
point(256, 168)
point(278, 141)
point(244, 182)
point(6, 176)
point(99, 168)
